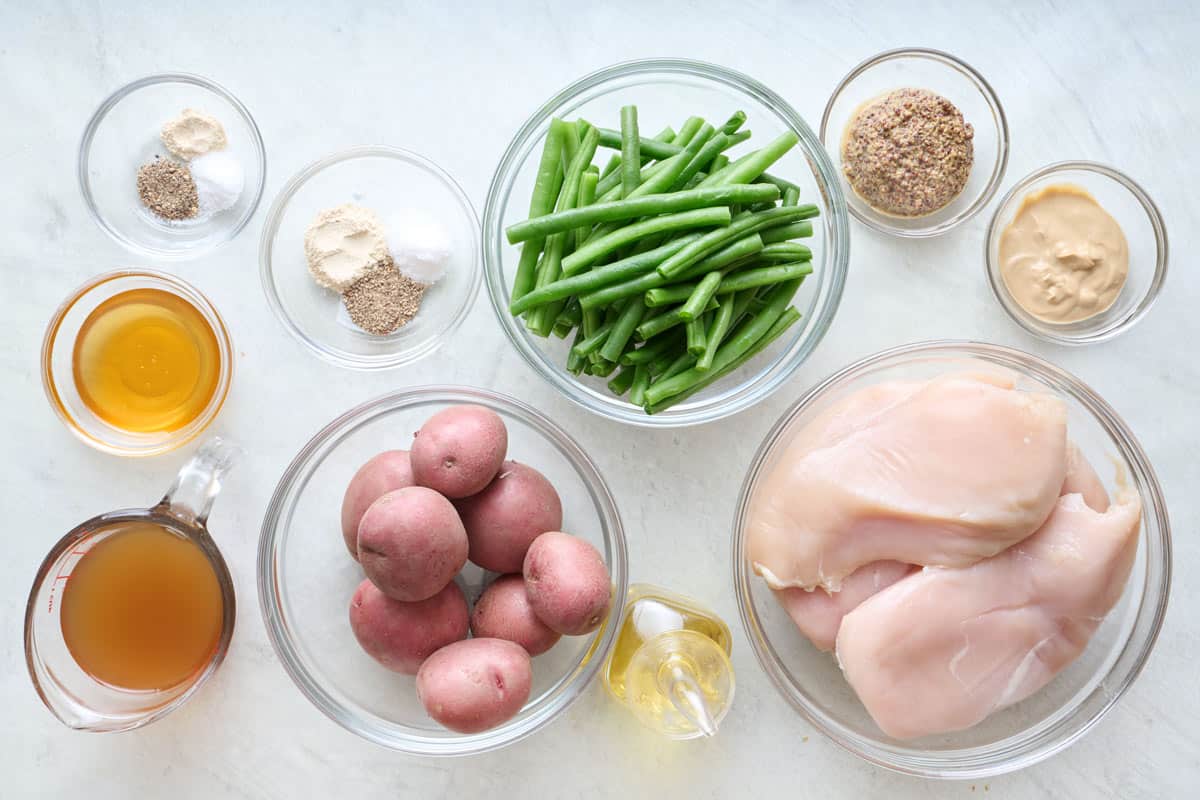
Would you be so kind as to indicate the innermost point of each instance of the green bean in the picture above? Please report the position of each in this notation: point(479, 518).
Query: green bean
point(601, 246)
point(755, 164)
point(667, 134)
point(670, 295)
point(700, 296)
point(696, 341)
point(791, 196)
point(590, 344)
point(785, 320)
point(576, 362)
point(687, 131)
point(719, 163)
point(621, 332)
point(606, 275)
point(714, 240)
point(620, 384)
point(776, 181)
point(781, 233)
point(701, 159)
point(734, 349)
point(661, 176)
point(764, 276)
point(632, 208)
point(545, 195)
point(664, 359)
point(682, 362)
point(631, 155)
point(602, 369)
point(587, 196)
point(737, 120)
point(782, 252)
point(641, 381)
point(651, 351)
point(662, 323)
point(722, 321)
point(727, 256)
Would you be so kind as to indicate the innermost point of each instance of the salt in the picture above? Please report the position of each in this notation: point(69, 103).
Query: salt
point(420, 245)
point(219, 180)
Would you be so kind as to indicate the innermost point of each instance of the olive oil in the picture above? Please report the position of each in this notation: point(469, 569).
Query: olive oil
point(143, 609)
point(670, 665)
point(145, 361)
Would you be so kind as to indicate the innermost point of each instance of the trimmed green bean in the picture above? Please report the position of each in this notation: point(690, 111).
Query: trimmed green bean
point(782, 233)
point(631, 154)
point(606, 275)
point(620, 384)
point(602, 369)
point(650, 351)
point(641, 381)
point(587, 196)
point(696, 341)
point(783, 252)
point(682, 362)
point(632, 208)
point(631, 317)
point(663, 322)
point(791, 196)
point(591, 344)
point(688, 130)
point(719, 163)
point(717, 329)
point(546, 187)
point(670, 295)
point(598, 247)
point(737, 120)
point(700, 296)
point(714, 240)
point(764, 276)
point(703, 157)
point(755, 164)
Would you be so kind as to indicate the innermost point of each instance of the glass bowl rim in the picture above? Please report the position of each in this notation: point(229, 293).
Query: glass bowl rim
point(176, 286)
point(837, 248)
point(275, 217)
point(966, 763)
point(83, 159)
point(324, 442)
point(990, 97)
point(1153, 215)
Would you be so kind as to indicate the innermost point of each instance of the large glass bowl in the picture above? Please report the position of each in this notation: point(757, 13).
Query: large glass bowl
point(306, 578)
point(1072, 703)
point(667, 92)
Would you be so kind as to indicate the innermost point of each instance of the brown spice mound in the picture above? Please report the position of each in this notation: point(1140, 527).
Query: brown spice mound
point(383, 300)
point(167, 188)
point(908, 153)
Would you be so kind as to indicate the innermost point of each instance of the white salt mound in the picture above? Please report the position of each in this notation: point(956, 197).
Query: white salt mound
point(420, 245)
point(219, 180)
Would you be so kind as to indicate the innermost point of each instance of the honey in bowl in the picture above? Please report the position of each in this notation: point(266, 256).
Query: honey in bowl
point(142, 610)
point(146, 360)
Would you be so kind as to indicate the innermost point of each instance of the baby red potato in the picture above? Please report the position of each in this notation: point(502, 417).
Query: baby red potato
point(567, 583)
point(386, 472)
point(474, 685)
point(518, 506)
point(400, 636)
point(411, 543)
point(459, 450)
point(503, 612)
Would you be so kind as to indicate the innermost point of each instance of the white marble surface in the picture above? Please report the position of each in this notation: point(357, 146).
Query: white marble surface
point(1107, 82)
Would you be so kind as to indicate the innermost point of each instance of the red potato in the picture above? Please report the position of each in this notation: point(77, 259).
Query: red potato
point(567, 583)
point(518, 506)
point(459, 450)
point(400, 636)
point(386, 472)
point(503, 612)
point(411, 543)
point(476, 684)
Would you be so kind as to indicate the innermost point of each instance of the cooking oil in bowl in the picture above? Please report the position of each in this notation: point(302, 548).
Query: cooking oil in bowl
point(143, 609)
point(146, 360)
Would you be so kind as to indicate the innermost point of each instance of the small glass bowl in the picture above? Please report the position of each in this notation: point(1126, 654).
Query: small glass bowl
point(387, 180)
point(959, 83)
point(58, 348)
point(123, 134)
point(306, 579)
point(1056, 716)
point(668, 91)
point(1144, 229)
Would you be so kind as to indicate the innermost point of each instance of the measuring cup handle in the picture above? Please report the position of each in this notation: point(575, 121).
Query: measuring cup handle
point(191, 496)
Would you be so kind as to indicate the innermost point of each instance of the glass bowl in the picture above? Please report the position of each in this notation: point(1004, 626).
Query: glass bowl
point(306, 579)
point(959, 83)
point(387, 180)
point(668, 91)
point(123, 134)
point(1065, 709)
point(1144, 230)
point(58, 381)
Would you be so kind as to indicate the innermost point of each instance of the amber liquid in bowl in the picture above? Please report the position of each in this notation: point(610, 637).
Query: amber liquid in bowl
point(146, 360)
point(142, 610)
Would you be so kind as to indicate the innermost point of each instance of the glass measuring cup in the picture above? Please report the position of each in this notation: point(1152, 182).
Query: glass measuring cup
point(78, 699)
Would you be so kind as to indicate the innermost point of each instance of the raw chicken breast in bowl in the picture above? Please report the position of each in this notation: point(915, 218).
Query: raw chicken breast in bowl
point(1052, 660)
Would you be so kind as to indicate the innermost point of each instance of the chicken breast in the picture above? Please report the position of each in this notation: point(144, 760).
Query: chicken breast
point(942, 649)
point(942, 473)
point(1082, 479)
point(818, 613)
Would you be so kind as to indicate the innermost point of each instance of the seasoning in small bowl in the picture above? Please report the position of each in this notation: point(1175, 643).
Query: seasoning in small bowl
point(1076, 252)
point(920, 140)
